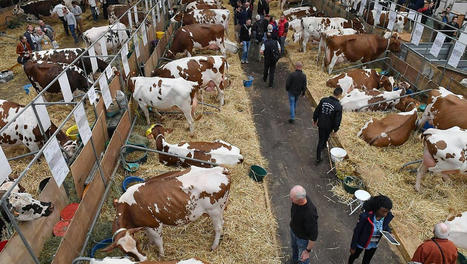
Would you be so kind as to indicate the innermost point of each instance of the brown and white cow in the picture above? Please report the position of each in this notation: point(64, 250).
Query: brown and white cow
point(361, 47)
point(204, 16)
point(444, 152)
point(173, 198)
point(310, 28)
point(68, 56)
point(363, 79)
point(41, 73)
point(357, 99)
point(401, 19)
point(117, 260)
point(197, 5)
point(445, 110)
point(37, 8)
point(219, 152)
point(392, 130)
point(200, 36)
point(301, 11)
point(165, 93)
point(207, 71)
point(25, 129)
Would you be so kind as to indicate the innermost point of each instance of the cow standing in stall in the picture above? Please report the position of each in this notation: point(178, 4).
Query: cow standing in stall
point(68, 56)
point(401, 19)
point(219, 152)
point(25, 130)
point(204, 16)
point(173, 198)
point(113, 37)
point(301, 11)
point(207, 71)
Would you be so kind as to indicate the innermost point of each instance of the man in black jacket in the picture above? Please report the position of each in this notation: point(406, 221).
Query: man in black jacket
point(303, 225)
point(327, 117)
point(245, 37)
point(271, 51)
point(295, 86)
point(263, 8)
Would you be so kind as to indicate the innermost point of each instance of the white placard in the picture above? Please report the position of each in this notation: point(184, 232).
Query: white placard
point(135, 10)
point(56, 161)
point(65, 87)
point(437, 44)
point(456, 54)
point(355, 4)
point(417, 34)
point(92, 95)
point(412, 14)
point(392, 19)
point(42, 113)
point(153, 14)
point(158, 9)
point(103, 44)
point(130, 20)
point(419, 17)
point(393, 6)
point(125, 49)
point(6, 169)
point(104, 86)
point(92, 54)
point(83, 124)
point(146, 5)
point(362, 7)
point(377, 17)
point(145, 36)
point(109, 72)
point(123, 54)
point(463, 38)
point(136, 43)
point(163, 7)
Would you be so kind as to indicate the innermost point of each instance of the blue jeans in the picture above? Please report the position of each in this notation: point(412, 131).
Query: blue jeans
point(246, 47)
point(73, 33)
point(282, 42)
point(298, 246)
point(293, 105)
point(94, 13)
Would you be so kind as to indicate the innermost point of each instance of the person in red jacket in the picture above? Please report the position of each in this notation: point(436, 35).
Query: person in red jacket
point(282, 27)
point(438, 249)
point(23, 49)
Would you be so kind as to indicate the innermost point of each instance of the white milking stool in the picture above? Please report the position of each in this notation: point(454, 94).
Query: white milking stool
point(360, 197)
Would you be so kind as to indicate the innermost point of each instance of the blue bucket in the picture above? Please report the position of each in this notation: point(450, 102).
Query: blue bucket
point(130, 179)
point(100, 245)
point(426, 126)
point(26, 88)
point(249, 82)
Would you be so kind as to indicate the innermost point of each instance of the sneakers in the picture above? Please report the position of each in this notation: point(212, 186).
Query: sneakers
point(291, 121)
point(242, 61)
point(246, 62)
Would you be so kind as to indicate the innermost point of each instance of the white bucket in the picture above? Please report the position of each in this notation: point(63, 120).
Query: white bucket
point(338, 154)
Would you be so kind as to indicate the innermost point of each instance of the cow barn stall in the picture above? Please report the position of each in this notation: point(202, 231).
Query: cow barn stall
point(415, 213)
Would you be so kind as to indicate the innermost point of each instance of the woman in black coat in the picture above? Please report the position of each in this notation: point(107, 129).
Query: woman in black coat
point(367, 234)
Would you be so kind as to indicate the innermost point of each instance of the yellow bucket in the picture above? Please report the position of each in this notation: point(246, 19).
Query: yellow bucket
point(72, 132)
point(159, 34)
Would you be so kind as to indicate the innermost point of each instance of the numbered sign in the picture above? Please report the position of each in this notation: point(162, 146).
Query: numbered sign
point(65, 87)
point(92, 95)
point(456, 54)
point(393, 6)
point(56, 161)
point(103, 44)
point(412, 14)
point(83, 124)
point(145, 36)
point(109, 72)
point(42, 113)
point(136, 42)
point(378, 8)
point(130, 20)
point(6, 169)
point(392, 20)
point(135, 10)
point(105, 91)
point(153, 14)
point(437, 44)
point(417, 34)
point(92, 54)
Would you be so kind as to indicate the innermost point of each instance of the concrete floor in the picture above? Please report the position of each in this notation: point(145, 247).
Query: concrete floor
point(290, 150)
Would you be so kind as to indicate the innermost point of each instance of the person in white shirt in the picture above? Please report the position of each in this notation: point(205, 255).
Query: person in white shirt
point(76, 10)
point(38, 37)
point(71, 21)
point(93, 5)
point(58, 10)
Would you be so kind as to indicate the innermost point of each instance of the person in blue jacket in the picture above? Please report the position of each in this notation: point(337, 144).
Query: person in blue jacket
point(367, 234)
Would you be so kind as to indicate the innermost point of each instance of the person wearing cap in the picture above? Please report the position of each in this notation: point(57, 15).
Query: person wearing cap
point(303, 225)
point(271, 51)
point(437, 249)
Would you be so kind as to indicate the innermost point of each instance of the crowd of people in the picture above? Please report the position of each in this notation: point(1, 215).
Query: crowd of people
point(33, 39)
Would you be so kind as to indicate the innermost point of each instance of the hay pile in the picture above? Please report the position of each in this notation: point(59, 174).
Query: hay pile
point(415, 213)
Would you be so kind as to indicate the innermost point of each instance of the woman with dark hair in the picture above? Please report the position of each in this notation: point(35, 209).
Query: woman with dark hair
point(367, 234)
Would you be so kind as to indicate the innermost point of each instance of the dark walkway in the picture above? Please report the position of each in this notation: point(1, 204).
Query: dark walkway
point(290, 150)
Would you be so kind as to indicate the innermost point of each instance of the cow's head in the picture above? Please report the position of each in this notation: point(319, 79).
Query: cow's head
point(230, 46)
point(157, 129)
point(17, 10)
point(26, 208)
point(387, 83)
point(124, 240)
point(177, 17)
point(131, 81)
point(170, 54)
point(394, 43)
point(70, 147)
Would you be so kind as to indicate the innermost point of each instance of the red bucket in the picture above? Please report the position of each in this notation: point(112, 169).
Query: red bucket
point(69, 211)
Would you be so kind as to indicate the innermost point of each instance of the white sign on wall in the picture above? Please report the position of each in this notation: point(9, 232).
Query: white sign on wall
point(105, 91)
point(437, 44)
point(136, 43)
point(145, 36)
point(417, 34)
point(153, 14)
point(109, 72)
point(163, 6)
point(56, 161)
point(135, 9)
point(92, 95)
point(158, 11)
point(130, 20)
point(362, 7)
point(6, 169)
point(83, 124)
point(378, 8)
point(92, 54)
point(146, 5)
point(392, 19)
point(103, 44)
point(123, 54)
point(456, 54)
point(412, 14)
point(393, 6)
point(65, 87)
point(42, 113)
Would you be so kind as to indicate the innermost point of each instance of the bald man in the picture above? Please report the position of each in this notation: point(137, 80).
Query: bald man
point(295, 87)
point(437, 250)
point(303, 225)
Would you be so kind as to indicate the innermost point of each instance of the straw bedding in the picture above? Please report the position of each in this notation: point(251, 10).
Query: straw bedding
point(415, 213)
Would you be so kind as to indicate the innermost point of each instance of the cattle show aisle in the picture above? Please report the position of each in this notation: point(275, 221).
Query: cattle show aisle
point(415, 213)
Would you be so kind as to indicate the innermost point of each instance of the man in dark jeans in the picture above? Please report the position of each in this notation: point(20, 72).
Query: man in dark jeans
point(271, 50)
point(327, 117)
point(303, 225)
point(295, 86)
